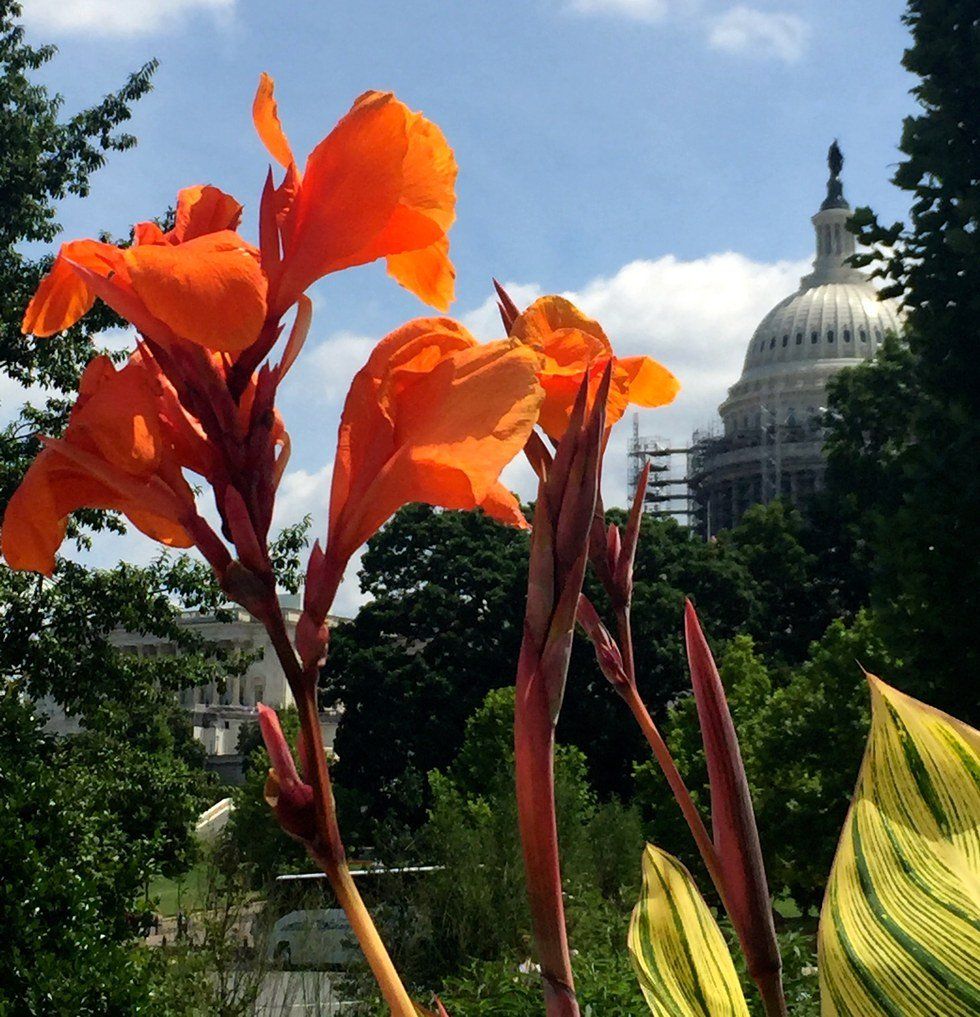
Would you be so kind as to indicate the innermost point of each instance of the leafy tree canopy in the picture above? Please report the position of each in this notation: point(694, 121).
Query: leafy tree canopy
point(46, 157)
point(905, 430)
point(77, 846)
point(444, 628)
point(88, 819)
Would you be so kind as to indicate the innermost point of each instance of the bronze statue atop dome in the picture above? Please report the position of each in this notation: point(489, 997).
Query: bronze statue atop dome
point(835, 159)
point(835, 188)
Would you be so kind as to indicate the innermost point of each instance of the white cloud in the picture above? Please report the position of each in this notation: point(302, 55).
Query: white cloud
point(13, 395)
point(741, 30)
point(301, 493)
point(750, 32)
point(117, 17)
point(325, 370)
point(305, 492)
point(695, 317)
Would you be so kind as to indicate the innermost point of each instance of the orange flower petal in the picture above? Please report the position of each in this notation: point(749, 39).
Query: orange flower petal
point(184, 434)
point(62, 297)
point(349, 192)
point(650, 383)
point(430, 172)
point(545, 326)
point(366, 435)
point(455, 427)
point(112, 456)
point(568, 344)
point(209, 290)
point(427, 208)
point(118, 417)
point(159, 528)
point(115, 289)
point(500, 504)
point(381, 184)
point(36, 517)
point(561, 388)
point(148, 233)
point(265, 116)
point(202, 210)
point(428, 273)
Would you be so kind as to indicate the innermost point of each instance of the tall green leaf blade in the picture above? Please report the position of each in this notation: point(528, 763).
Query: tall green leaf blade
point(679, 954)
point(900, 924)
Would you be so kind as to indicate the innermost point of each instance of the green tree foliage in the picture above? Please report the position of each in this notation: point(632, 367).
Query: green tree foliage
point(473, 909)
point(444, 628)
point(906, 429)
point(45, 158)
point(802, 731)
point(55, 638)
point(87, 820)
point(465, 928)
point(75, 851)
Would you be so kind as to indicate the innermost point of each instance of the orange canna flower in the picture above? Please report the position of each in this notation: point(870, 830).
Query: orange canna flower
point(569, 344)
point(199, 281)
point(380, 185)
point(433, 416)
point(116, 453)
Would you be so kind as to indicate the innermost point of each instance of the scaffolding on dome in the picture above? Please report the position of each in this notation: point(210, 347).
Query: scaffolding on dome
point(667, 491)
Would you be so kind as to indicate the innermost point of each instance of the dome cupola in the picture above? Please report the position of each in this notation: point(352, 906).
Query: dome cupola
point(833, 320)
point(772, 444)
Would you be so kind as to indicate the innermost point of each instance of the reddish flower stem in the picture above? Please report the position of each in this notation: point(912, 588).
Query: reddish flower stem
point(563, 513)
point(534, 742)
point(661, 753)
point(769, 983)
point(328, 849)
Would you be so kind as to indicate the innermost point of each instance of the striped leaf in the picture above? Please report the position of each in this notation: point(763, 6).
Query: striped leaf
point(678, 952)
point(900, 925)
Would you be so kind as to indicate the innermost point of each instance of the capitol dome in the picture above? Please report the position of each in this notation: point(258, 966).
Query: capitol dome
point(772, 444)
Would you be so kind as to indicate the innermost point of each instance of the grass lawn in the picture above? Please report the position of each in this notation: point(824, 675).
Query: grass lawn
point(187, 892)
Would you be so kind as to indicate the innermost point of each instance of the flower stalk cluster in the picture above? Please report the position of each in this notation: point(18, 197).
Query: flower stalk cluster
point(433, 416)
point(562, 515)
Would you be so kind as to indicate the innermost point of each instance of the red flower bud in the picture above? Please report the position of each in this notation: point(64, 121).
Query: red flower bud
point(606, 651)
point(288, 795)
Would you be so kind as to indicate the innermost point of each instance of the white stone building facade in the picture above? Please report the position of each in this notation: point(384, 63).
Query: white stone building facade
point(219, 716)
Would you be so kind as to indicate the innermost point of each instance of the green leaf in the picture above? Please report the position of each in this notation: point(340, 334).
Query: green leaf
point(900, 926)
point(679, 954)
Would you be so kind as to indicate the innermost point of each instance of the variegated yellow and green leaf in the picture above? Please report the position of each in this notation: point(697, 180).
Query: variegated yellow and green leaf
point(900, 925)
point(678, 951)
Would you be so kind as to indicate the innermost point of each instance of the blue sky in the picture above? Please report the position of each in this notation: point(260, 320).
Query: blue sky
point(658, 159)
